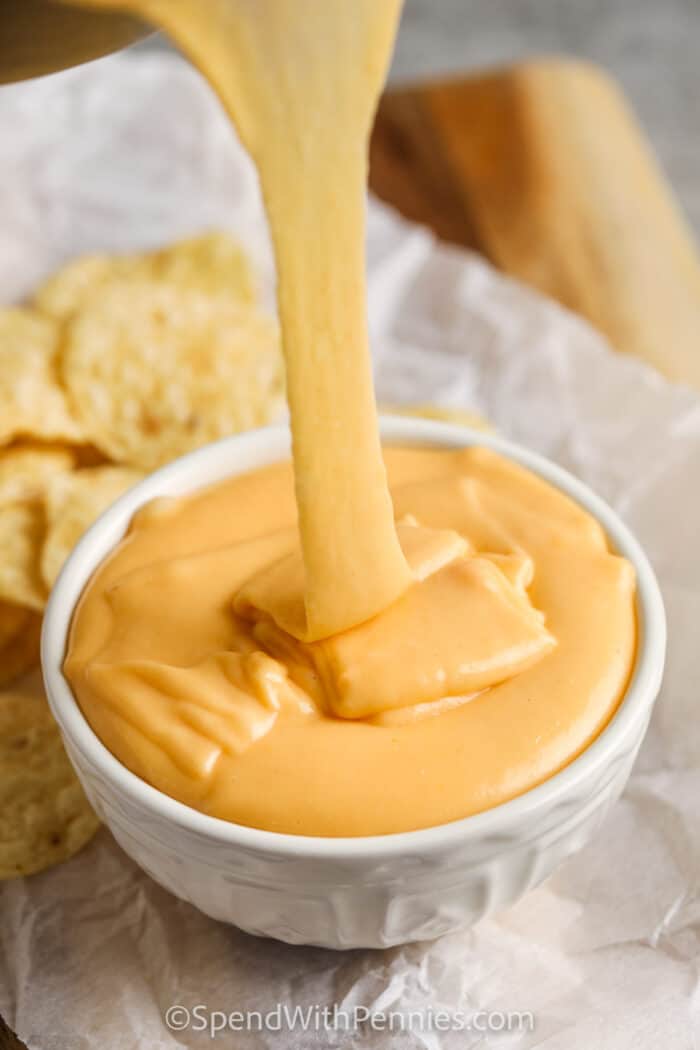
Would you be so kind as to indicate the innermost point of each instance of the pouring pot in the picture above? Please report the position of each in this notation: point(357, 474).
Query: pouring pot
point(41, 36)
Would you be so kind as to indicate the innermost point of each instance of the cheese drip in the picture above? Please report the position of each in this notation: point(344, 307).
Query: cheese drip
point(300, 80)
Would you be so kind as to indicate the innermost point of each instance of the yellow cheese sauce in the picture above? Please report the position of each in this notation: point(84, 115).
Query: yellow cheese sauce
point(496, 668)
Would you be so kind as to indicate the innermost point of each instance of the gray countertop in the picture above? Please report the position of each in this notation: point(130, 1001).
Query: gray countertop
point(651, 46)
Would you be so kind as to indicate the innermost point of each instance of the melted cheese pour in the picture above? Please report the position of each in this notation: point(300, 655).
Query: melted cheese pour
point(300, 80)
point(331, 673)
point(482, 680)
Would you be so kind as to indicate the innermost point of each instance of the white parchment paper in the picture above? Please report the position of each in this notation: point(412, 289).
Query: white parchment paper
point(134, 151)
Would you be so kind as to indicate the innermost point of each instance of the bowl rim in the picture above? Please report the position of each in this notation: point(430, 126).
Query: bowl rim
point(245, 451)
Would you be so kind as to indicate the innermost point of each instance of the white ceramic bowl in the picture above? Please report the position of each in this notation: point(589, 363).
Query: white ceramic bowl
point(351, 892)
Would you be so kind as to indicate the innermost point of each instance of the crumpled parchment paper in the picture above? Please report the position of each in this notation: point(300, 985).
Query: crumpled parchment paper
point(133, 151)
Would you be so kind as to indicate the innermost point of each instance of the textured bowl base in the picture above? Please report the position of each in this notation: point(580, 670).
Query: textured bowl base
point(310, 905)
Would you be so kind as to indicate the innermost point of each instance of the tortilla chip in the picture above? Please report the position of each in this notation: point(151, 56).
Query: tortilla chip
point(20, 652)
point(25, 471)
point(31, 401)
point(44, 815)
point(21, 537)
point(66, 290)
point(153, 371)
point(73, 502)
point(443, 415)
point(12, 620)
point(213, 262)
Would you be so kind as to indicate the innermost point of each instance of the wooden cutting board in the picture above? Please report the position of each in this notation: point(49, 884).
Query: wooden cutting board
point(543, 168)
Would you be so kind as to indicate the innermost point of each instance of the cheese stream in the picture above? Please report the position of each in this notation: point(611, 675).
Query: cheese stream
point(300, 80)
